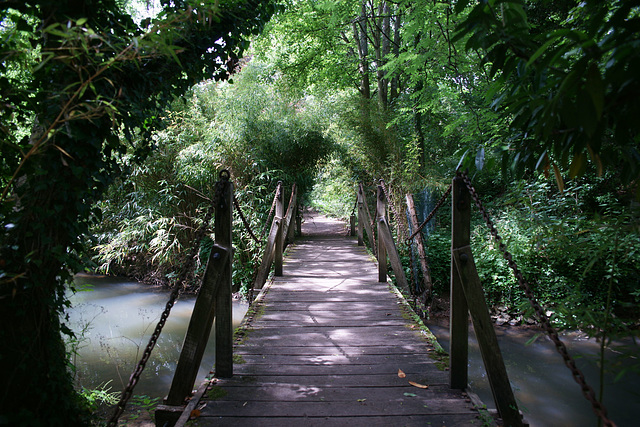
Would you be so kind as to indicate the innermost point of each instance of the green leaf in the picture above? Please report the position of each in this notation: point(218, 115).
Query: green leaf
point(461, 4)
point(595, 87)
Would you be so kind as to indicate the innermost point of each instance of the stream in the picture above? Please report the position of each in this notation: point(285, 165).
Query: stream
point(543, 386)
point(113, 323)
point(114, 320)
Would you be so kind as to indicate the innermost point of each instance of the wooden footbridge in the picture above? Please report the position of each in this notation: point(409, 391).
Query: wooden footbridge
point(329, 340)
point(324, 345)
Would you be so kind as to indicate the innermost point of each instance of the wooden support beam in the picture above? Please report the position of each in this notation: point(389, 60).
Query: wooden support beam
point(268, 256)
point(422, 255)
point(277, 268)
point(459, 311)
point(385, 239)
point(503, 396)
point(288, 228)
point(223, 302)
point(381, 209)
point(199, 327)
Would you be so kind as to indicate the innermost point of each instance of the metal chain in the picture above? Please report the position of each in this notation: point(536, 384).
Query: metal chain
point(432, 213)
point(578, 376)
point(244, 220)
point(398, 218)
point(185, 275)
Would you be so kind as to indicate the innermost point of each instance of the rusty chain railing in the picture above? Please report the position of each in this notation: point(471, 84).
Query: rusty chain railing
point(432, 213)
point(185, 275)
point(578, 376)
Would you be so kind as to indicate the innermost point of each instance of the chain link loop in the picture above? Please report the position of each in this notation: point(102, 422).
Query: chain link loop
point(185, 276)
point(578, 376)
point(432, 213)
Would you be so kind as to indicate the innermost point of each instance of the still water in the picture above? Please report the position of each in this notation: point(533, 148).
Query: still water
point(113, 323)
point(544, 387)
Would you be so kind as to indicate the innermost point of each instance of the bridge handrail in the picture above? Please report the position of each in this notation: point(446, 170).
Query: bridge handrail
point(280, 233)
point(467, 295)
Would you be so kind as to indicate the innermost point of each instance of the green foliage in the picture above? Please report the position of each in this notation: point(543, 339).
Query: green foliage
point(567, 78)
point(259, 133)
point(74, 77)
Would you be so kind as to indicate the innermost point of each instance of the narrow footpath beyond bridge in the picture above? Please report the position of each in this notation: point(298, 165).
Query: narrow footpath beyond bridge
point(325, 344)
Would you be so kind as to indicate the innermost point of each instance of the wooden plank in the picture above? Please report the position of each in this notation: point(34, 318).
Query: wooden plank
point(223, 307)
point(457, 420)
point(487, 340)
point(459, 311)
point(342, 381)
point(199, 328)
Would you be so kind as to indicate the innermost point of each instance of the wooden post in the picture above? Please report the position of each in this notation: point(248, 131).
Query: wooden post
point(299, 221)
point(352, 225)
point(506, 403)
point(213, 302)
point(381, 208)
point(279, 236)
point(426, 275)
point(268, 256)
point(363, 211)
point(199, 328)
point(459, 312)
point(223, 305)
point(360, 216)
point(288, 222)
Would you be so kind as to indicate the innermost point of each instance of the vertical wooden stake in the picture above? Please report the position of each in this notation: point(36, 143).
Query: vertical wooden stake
point(223, 307)
point(352, 225)
point(360, 216)
point(459, 320)
point(279, 237)
point(381, 208)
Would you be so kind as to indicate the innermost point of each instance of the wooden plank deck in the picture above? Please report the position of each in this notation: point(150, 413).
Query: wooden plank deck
point(324, 348)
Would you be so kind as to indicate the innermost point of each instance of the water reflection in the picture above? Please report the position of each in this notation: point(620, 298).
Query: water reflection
point(543, 385)
point(113, 323)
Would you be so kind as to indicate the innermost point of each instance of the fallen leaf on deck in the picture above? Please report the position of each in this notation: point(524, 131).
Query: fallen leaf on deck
point(194, 414)
point(418, 385)
point(410, 394)
point(401, 374)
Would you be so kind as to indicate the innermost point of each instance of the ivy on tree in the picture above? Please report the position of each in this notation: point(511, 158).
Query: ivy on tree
point(75, 77)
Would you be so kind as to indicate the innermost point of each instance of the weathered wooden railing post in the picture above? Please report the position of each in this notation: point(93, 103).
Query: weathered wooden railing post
point(299, 220)
point(459, 320)
point(467, 297)
point(381, 209)
point(360, 216)
point(279, 237)
point(224, 315)
point(213, 302)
